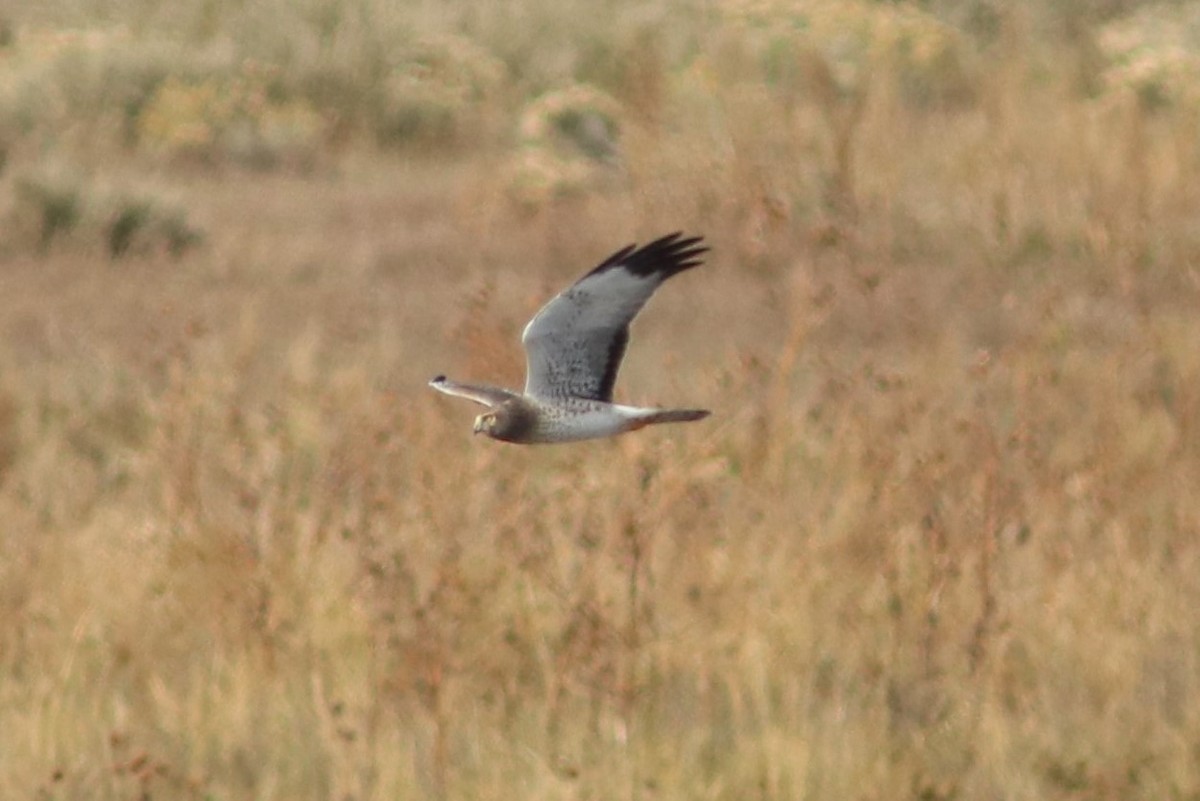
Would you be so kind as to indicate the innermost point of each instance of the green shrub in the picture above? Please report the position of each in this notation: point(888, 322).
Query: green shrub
point(50, 204)
point(54, 204)
point(569, 141)
point(1154, 53)
point(829, 49)
point(440, 93)
point(230, 118)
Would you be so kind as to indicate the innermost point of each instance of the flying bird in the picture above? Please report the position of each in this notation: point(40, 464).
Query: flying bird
point(573, 349)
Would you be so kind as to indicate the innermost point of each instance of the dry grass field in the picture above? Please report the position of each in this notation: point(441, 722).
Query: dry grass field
point(938, 541)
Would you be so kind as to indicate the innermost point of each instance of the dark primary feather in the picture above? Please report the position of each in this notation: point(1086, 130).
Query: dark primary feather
point(668, 255)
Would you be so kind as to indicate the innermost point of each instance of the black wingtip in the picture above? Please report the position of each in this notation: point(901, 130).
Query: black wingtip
point(437, 379)
point(667, 255)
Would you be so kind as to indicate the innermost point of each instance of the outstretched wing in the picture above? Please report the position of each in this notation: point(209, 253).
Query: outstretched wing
point(485, 395)
point(574, 345)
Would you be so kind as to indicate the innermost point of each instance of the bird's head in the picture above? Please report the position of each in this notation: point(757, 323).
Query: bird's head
point(511, 421)
point(486, 423)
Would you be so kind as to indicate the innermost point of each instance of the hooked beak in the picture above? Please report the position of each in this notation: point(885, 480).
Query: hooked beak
point(478, 424)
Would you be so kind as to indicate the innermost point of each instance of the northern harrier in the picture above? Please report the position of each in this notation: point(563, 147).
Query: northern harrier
point(573, 348)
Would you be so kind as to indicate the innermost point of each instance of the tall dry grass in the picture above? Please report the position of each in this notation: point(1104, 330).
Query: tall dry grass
point(938, 540)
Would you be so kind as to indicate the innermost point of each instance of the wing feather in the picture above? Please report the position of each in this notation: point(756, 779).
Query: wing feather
point(575, 343)
point(479, 393)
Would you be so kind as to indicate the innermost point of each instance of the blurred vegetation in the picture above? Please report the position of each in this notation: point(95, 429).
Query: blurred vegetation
point(938, 540)
point(57, 204)
point(285, 85)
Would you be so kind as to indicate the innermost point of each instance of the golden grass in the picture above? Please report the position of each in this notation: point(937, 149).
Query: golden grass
point(938, 540)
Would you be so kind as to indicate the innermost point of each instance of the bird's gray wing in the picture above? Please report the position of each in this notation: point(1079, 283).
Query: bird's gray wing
point(481, 394)
point(574, 345)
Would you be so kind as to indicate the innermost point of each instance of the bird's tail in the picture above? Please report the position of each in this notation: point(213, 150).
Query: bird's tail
point(674, 416)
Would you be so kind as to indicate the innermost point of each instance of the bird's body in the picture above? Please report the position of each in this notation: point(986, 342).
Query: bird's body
point(574, 346)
